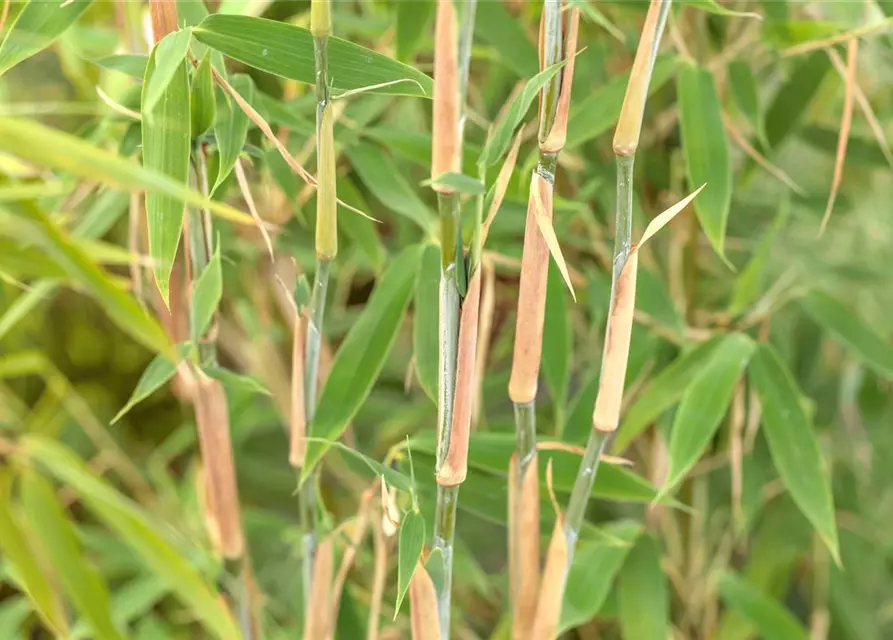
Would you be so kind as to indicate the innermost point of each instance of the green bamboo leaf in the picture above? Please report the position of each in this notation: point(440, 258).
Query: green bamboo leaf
point(505, 34)
point(425, 321)
point(36, 27)
point(771, 619)
point(58, 539)
point(159, 372)
point(361, 231)
point(794, 97)
point(643, 593)
point(457, 182)
point(750, 283)
point(34, 580)
point(592, 572)
point(169, 55)
point(712, 6)
point(22, 306)
point(166, 147)
point(704, 404)
point(128, 522)
point(120, 306)
point(231, 128)
point(393, 478)
point(287, 51)
point(204, 105)
point(14, 614)
point(746, 95)
point(130, 64)
point(557, 342)
point(382, 177)
point(362, 354)
point(409, 550)
point(598, 112)
point(236, 381)
point(664, 390)
point(793, 443)
point(706, 151)
point(845, 327)
point(501, 137)
point(579, 418)
point(206, 295)
point(129, 601)
point(413, 23)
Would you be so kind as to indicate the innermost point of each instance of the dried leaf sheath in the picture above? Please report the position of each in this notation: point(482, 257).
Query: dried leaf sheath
point(606, 416)
point(318, 620)
point(164, 17)
point(212, 418)
point(531, 299)
point(445, 126)
point(455, 467)
point(629, 125)
point(551, 594)
point(524, 545)
point(298, 441)
point(326, 198)
point(423, 603)
point(554, 142)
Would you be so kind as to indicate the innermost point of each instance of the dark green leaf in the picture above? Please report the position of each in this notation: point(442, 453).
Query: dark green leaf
point(166, 148)
point(706, 151)
point(159, 371)
point(644, 596)
point(579, 420)
point(362, 354)
point(36, 27)
point(840, 321)
point(413, 23)
point(751, 281)
point(204, 105)
point(793, 443)
point(704, 404)
point(794, 97)
point(505, 34)
point(409, 550)
point(425, 320)
point(231, 128)
point(557, 341)
point(287, 51)
point(770, 618)
point(746, 96)
point(393, 478)
point(206, 294)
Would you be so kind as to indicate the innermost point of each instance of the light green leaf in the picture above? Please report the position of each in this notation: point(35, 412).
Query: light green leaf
point(34, 580)
point(592, 572)
point(235, 380)
point(704, 404)
point(793, 443)
point(382, 177)
point(597, 113)
point(204, 105)
point(662, 392)
point(362, 354)
point(769, 617)
point(361, 231)
point(130, 64)
point(393, 478)
point(706, 151)
point(22, 306)
point(845, 327)
point(168, 56)
point(413, 23)
point(159, 371)
point(579, 419)
point(425, 321)
point(746, 95)
point(712, 6)
point(500, 138)
point(129, 601)
point(206, 295)
point(128, 522)
point(58, 540)
point(287, 51)
point(36, 27)
point(166, 147)
point(557, 342)
point(409, 550)
point(457, 182)
point(750, 283)
point(643, 593)
point(231, 128)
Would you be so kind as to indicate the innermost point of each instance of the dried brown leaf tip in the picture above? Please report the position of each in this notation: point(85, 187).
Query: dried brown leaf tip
point(222, 499)
point(629, 125)
point(455, 467)
point(164, 18)
point(423, 605)
point(445, 126)
point(606, 416)
point(548, 608)
point(524, 545)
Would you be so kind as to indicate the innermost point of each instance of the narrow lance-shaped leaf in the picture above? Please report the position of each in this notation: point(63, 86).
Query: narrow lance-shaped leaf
point(231, 127)
point(409, 549)
point(166, 146)
point(644, 596)
point(168, 57)
point(36, 27)
point(160, 370)
point(704, 404)
point(745, 94)
point(712, 6)
point(287, 51)
point(203, 105)
point(557, 341)
point(361, 356)
point(793, 443)
point(706, 150)
point(413, 20)
point(768, 616)
point(206, 294)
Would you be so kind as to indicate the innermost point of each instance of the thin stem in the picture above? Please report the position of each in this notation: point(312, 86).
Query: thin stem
point(444, 535)
point(552, 53)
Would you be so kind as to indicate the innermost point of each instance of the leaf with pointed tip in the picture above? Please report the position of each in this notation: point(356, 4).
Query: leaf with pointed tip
point(793, 443)
point(409, 550)
point(712, 6)
point(413, 22)
point(231, 128)
point(36, 27)
point(169, 55)
point(204, 104)
point(159, 371)
point(769, 617)
point(557, 342)
point(206, 295)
